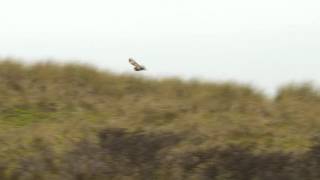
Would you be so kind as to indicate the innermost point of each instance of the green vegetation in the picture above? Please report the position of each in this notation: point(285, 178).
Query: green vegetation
point(73, 121)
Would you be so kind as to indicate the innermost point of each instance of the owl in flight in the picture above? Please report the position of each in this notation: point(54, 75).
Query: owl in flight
point(137, 67)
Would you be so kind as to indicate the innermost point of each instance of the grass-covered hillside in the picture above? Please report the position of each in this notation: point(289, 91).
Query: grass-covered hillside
point(71, 121)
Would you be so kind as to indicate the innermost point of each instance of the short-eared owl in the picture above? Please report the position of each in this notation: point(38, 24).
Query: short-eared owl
point(137, 67)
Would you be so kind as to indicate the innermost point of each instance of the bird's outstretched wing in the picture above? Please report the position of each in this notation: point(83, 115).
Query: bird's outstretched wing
point(133, 62)
point(137, 67)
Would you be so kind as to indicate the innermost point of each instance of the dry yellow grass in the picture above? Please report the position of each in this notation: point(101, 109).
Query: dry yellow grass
point(63, 104)
point(73, 97)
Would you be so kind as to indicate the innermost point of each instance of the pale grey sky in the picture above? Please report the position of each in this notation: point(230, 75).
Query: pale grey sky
point(265, 43)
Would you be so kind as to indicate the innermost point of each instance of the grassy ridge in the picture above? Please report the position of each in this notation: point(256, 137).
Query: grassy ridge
point(63, 104)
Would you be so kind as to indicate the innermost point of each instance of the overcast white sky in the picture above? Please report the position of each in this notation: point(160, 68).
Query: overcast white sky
point(263, 42)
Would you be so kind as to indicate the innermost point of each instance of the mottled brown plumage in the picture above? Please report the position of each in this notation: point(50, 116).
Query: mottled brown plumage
point(137, 67)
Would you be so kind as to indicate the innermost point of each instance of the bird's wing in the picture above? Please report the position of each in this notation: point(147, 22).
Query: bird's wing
point(134, 63)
